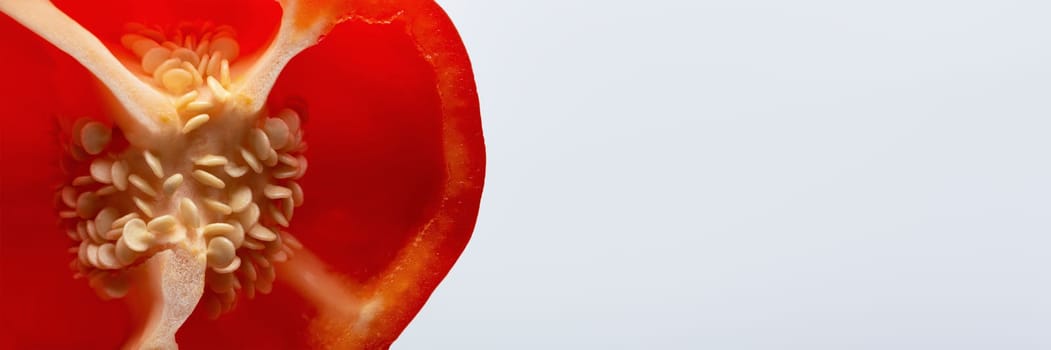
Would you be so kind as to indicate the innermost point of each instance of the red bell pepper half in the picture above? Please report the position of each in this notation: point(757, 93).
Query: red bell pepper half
point(155, 180)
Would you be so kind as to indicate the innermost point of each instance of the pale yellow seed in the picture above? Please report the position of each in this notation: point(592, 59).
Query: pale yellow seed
point(233, 266)
point(288, 159)
point(136, 236)
point(82, 231)
point(253, 244)
point(220, 93)
point(202, 51)
point(107, 257)
point(88, 205)
point(252, 161)
point(152, 33)
point(93, 255)
point(210, 160)
point(153, 163)
point(288, 205)
point(197, 79)
point(95, 137)
point(217, 229)
point(78, 128)
point(224, 73)
point(238, 235)
point(235, 171)
point(262, 233)
point(291, 119)
point(123, 220)
point(207, 179)
point(154, 58)
point(195, 123)
point(105, 218)
point(105, 191)
point(197, 107)
point(83, 180)
point(93, 234)
point(141, 47)
point(297, 193)
point(142, 185)
point(189, 213)
point(203, 66)
point(277, 132)
point(163, 225)
point(137, 43)
point(260, 143)
point(69, 196)
point(276, 192)
point(190, 42)
point(186, 98)
point(240, 199)
point(119, 175)
point(143, 206)
point(221, 252)
point(82, 253)
point(249, 272)
point(213, 63)
point(158, 75)
point(278, 216)
point(170, 45)
point(227, 46)
point(250, 216)
point(100, 170)
point(124, 253)
point(177, 80)
point(271, 158)
point(302, 166)
point(112, 234)
point(186, 55)
point(217, 206)
point(286, 173)
point(172, 183)
point(128, 40)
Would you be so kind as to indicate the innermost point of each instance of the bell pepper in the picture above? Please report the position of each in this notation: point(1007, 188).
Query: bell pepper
point(231, 174)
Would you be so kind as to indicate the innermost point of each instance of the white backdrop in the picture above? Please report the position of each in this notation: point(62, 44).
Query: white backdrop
point(757, 174)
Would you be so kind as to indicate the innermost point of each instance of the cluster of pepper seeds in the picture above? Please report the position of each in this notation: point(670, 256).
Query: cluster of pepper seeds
point(231, 202)
point(189, 61)
point(129, 206)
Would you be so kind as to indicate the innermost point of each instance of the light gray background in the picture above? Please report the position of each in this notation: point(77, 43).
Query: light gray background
point(761, 174)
